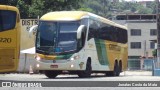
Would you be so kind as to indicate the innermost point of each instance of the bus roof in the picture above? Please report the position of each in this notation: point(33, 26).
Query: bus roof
point(75, 15)
point(104, 20)
point(6, 7)
point(63, 15)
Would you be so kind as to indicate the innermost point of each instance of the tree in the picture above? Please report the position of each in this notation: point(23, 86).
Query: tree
point(23, 8)
point(143, 10)
point(152, 6)
point(99, 7)
point(105, 8)
point(154, 52)
point(9, 2)
point(36, 8)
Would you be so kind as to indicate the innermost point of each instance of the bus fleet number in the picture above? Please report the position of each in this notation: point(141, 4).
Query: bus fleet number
point(5, 40)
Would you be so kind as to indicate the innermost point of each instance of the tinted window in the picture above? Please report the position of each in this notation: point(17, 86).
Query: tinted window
point(105, 31)
point(153, 32)
point(152, 45)
point(57, 37)
point(122, 35)
point(7, 20)
point(135, 32)
point(135, 45)
point(93, 29)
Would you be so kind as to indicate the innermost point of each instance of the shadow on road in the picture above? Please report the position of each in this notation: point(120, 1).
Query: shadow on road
point(76, 77)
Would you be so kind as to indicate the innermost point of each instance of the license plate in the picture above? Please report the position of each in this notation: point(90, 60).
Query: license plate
point(54, 66)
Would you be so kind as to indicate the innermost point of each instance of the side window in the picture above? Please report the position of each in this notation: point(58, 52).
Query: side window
point(93, 29)
point(153, 32)
point(122, 35)
point(152, 45)
point(106, 32)
point(7, 20)
point(135, 32)
point(85, 22)
point(135, 45)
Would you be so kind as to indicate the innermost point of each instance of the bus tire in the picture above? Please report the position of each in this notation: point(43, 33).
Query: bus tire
point(87, 72)
point(109, 73)
point(51, 74)
point(120, 66)
point(116, 71)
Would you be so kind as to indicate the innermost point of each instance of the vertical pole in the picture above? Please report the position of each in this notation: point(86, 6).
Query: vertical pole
point(158, 34)
point(145, 48)
point(24, 68)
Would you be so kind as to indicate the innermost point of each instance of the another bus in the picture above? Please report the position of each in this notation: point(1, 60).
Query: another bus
point(9, 38)
point(81, 43)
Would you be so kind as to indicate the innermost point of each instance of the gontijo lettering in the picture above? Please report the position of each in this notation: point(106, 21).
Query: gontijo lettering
point(114, 47)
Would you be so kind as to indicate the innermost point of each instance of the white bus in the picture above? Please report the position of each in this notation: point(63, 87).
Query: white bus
point(80, 43)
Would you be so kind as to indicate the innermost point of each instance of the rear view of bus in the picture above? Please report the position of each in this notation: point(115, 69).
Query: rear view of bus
point(9, 38)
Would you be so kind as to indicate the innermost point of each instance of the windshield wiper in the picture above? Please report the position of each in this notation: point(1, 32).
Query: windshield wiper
point(42, 51)
point(51, 50)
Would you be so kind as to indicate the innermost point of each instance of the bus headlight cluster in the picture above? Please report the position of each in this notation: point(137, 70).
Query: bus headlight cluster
point(38, 58)
point(72, 66)
point(38, 65)
point(75, 57)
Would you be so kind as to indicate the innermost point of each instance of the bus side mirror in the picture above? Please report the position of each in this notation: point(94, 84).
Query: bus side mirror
point(80, 30)
point(33, 30)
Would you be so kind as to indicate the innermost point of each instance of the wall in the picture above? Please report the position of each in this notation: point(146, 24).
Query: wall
point(145, 26)
point(27, 41)
point(144, 38)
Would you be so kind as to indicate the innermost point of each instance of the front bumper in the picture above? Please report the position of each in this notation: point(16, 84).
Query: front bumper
point(62, 65)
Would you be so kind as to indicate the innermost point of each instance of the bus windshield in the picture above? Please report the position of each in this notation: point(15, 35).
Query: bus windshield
point(7, 20)
point(56, 37)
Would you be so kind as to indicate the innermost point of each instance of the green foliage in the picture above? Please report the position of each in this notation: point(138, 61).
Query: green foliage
point(86, 9)
point(9, 2)
point(105, 8)
point(152, 6)
point(145, 10)
point(154, 52)
point(23, 8)
point(36, 8)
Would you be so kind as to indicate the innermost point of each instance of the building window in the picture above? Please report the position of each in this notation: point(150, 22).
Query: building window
point(153, 32)
point(135, 32)
point(152, 45)
point(135, 45)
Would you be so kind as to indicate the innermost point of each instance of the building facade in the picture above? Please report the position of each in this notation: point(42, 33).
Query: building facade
point(141, 30)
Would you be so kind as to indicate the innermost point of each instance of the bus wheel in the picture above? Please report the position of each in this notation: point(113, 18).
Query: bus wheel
point(109, 73)
point(87, 72)
point(116, 69)
point(120, 66)
point(51, 74)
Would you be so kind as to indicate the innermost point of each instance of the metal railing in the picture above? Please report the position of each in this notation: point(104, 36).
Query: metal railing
point(139, 64)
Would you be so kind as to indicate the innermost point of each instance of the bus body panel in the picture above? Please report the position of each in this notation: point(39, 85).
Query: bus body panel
point(47, 61)
point(103, 53)
point(10, 43)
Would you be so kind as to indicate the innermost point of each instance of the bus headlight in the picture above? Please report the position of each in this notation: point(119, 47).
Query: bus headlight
point(38, 65)
point(75, 57)
point(72, 59)
point(38, 58)
point(72, 65)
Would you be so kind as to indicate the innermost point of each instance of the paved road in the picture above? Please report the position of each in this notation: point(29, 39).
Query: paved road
point(125, 76)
